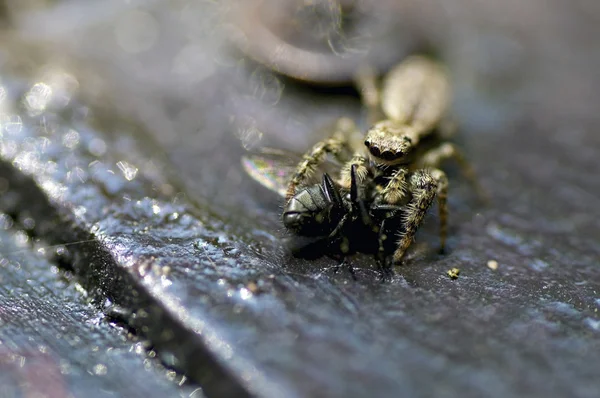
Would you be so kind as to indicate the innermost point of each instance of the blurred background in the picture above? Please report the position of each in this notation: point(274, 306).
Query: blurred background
point(199, 75)
point(195, 73)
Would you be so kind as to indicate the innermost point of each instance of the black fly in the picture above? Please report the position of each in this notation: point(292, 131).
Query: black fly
point(325, 216)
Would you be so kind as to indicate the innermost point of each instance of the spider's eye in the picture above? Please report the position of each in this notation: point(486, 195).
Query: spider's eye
point(375, 151)
point(389, 155)
point(367, 143)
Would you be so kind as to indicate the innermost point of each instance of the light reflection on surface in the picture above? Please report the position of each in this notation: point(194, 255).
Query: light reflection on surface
point(64, 86)
point(129, 171)
point(2, 96)
point(54, 189)
point(37, 99)
point(28, 162)
point(12, 123)
point(62, 157)
point(245, 294)
point(71, 139)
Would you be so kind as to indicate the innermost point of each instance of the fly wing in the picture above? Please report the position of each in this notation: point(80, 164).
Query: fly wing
point(273, 168)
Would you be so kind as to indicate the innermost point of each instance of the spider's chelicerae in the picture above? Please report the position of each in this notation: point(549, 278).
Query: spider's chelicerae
point(400, 155)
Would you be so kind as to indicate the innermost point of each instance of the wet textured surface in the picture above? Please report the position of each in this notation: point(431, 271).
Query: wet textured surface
point(55, 343)
point(139, 175)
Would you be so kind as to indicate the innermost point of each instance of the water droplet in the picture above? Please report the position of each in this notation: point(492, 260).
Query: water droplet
point(63, 84)
point(28, 223)
point(100, 369)
point(71, 139)
point(97, 147)
point(12, 123)
point(21, 238)
point(171, 375)
point(65, 367)
point(6, 221)
point(60, 250)
point(129, 171)
point(245, 294)
point(80, 211)
point(37, 98)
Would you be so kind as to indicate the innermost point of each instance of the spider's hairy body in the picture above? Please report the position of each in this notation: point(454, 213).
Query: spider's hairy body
point(414, 99)
point(416, 93)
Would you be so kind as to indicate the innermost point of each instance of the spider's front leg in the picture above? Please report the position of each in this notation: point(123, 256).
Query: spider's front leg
point(396, 189)
point(360, 164)
point(424, 186)
point(337, 144)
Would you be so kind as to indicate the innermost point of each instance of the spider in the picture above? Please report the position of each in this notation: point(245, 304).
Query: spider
point(401, 152)
point(323, 213)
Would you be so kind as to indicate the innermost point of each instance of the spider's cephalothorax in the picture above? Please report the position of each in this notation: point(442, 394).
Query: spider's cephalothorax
point(411, 103)
point(389, 143)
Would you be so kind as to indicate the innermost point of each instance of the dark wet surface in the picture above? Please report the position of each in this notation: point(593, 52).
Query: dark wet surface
point(55, 342)
point(130, 157)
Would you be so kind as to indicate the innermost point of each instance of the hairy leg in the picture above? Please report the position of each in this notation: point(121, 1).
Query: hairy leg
point(397, 187)
point(337, 144)
point(360, 163)
point(442, 197)
point(423, 187)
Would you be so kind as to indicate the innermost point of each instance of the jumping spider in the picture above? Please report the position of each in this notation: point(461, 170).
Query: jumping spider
point(342, 219)
point(400, 153)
